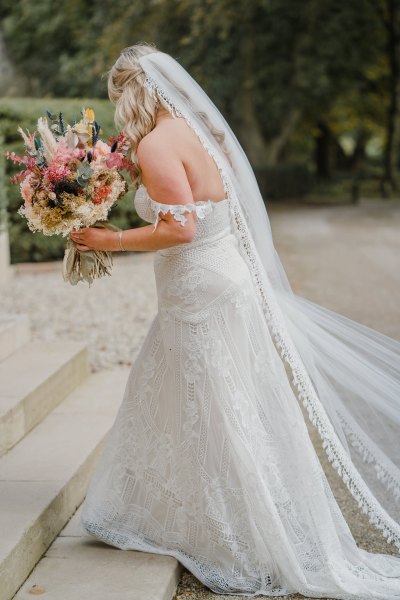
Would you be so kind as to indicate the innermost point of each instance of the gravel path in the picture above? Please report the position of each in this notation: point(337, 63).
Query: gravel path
point(112, 316)
point(345, 258)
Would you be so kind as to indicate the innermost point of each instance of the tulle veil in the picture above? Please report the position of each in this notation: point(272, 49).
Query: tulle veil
point(345, 375)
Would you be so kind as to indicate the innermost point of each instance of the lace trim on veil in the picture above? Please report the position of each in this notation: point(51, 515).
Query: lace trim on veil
point(331, 443)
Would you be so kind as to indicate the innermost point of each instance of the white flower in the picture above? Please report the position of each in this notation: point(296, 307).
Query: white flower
point(48, 139)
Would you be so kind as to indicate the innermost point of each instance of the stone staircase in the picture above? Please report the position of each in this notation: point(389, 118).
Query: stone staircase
point(54, 416)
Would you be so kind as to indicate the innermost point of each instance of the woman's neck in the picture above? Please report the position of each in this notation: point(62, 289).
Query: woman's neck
point(162, 114)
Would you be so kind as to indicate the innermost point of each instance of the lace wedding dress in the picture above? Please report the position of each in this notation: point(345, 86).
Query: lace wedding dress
point(197, 465)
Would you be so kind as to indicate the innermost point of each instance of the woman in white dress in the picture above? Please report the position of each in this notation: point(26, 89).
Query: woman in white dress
point(210, 459)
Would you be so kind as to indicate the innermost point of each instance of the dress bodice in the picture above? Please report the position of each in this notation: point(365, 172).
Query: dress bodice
point(213, 217)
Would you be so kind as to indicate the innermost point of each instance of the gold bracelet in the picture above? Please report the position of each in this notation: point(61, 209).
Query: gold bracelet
point(120, 240)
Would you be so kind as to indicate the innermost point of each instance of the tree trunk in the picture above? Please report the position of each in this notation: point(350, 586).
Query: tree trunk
point(323, 151)
point(254, 142)
point(250, 130)
point(357, 161)
point(279, 142)
point(390, 179)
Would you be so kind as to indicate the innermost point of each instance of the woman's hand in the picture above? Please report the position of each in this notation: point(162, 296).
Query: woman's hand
point(94, 238)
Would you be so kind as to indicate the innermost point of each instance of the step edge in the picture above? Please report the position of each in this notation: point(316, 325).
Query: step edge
point(14, 332)
point(75, 370)
point(25, 555)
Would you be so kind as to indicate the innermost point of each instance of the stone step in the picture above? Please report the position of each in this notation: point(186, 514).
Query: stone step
point(33, 380)
point(14, 333)
point(45, 476)
point(77, 567)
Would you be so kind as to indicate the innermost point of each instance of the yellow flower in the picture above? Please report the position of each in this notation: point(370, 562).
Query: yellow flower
point(89, 112)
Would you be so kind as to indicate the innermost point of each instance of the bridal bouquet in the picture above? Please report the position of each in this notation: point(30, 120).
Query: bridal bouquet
point(70, 179)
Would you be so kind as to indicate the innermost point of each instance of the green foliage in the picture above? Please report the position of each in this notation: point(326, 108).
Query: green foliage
point(284, 53)
point(25, 245)
point(282, 62)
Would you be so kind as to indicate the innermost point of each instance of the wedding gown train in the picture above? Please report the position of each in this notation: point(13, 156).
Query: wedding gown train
point(196, 466)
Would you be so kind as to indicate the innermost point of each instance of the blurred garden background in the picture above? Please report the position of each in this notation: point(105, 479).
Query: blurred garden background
point(311, 88)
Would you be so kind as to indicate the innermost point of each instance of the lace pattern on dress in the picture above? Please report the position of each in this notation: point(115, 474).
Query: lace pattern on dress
point(201, 209)
point(306, 392)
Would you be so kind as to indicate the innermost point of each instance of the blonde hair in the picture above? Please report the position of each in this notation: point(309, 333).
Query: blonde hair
point(135, 107)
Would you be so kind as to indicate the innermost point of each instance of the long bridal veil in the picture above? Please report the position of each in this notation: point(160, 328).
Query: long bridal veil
point(346, 375)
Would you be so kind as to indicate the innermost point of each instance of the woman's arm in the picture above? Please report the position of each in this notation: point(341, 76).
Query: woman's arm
point(167, 234)
point(165, 179)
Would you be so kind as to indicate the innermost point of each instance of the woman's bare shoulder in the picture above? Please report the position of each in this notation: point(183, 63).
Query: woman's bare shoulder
point(149, 142)
point(158, 142)
point(163, 172)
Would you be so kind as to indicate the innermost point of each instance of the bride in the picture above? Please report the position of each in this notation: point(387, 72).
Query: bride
point(210, 458)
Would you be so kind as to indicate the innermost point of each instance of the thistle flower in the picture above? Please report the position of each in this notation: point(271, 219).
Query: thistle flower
point(61, 123)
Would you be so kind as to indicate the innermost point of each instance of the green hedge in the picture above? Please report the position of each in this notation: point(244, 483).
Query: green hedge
point(35, 247)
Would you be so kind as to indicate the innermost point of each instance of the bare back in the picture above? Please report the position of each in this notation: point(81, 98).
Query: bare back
point(202, 173)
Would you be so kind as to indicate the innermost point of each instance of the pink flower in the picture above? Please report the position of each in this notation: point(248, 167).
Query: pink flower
point(15, 158)
point(101, 150)
point(26, 190)
point(56, 172)
point(114, 161)
point(63, 154)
